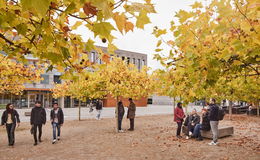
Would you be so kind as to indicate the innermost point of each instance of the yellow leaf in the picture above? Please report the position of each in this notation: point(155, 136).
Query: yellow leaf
point(76, 25)
point(120, 21)
point(129, 26)
point(142, 19)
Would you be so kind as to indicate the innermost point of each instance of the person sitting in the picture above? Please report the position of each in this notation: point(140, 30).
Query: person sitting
point(205, 125)
point(194, 119)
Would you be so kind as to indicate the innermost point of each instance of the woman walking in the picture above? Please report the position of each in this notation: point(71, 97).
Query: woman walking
point(178, 118)
point(9, 118)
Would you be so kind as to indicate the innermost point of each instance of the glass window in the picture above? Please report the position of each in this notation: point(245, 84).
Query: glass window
point(128, 60)
point(123, 58)
point(93, 56)
point(139, 64)
point(143, 62)
point(45, 79)
point(56, 79)
point(133, 60)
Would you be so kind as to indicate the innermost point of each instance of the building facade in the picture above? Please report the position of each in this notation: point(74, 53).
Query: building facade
point(42, 91)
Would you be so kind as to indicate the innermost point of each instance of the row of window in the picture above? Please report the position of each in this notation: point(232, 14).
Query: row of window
point(46, 79)
point(138, 62)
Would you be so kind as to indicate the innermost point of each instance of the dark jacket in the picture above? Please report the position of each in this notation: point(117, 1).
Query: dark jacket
point(60, 116)
point(121, 111)
point(38, 115)
point(99, 105)
point(131, 111)
point(14, 115)
point(178, 114)
point(205, 125)
point(213, 113)
point(194, 119)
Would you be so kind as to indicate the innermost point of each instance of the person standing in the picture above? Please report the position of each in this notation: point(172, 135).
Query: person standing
point(178, 118)
point(121, 112)
point(9, 118)
point(57, 119)
point(99, 107)
point(213, 117)
point(38, 118)
point(131, 114)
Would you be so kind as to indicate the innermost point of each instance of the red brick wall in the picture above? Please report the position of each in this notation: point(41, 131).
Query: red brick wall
point(111, 102)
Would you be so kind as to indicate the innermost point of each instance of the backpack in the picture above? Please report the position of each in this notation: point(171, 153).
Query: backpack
point(221, 114)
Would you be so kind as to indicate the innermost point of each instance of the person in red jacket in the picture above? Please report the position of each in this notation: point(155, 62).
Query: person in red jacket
point(178, 117)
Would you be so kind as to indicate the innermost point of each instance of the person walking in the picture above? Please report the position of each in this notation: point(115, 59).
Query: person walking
point(57, 120)
point(131, 114)
point(178, 118)
point(121, 112)
point(99, 107)
point(9, 118)
point(214, 121)
point(38, 118)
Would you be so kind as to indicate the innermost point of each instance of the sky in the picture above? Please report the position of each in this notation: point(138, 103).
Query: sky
point(143, 41)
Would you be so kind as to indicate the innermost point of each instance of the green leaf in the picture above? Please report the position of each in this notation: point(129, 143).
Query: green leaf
point(41, 6)
point(21, 28)
point(65, 52)
point(103, 29)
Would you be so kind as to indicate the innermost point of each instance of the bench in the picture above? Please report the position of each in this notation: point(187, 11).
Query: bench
point(223, 132)
point(27, 113)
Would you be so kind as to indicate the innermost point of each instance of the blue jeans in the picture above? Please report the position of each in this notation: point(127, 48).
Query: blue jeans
point(196, 131)
point(54, 126)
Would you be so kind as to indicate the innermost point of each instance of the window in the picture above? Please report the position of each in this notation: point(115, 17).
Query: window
point(133, 60)
point(139, 64)
point(56, 79)
point(128, 60)
point(123, 58)
point(45, 79)
point(143, 62)
point(93, 56)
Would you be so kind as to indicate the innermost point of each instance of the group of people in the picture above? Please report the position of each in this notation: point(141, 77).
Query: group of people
point(130, 114)
point(10, 118)
point(194, 124)
point(98, 104)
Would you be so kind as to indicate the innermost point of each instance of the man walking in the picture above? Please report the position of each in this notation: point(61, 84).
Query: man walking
point(99, 107)
point(38, 118)
point(131, 114)
point(57, 119)
point(213, 117)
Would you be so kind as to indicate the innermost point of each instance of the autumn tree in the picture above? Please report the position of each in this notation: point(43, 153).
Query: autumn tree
point(214, 51)
point(13, 75)
point(82, 86)
point(115, 78)
point(46, 28)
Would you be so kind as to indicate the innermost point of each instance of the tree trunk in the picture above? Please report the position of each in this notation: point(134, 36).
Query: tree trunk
point(174, 105)
point(230, 110)
point(117, 114)
point(79, 110)
point(257, 108)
